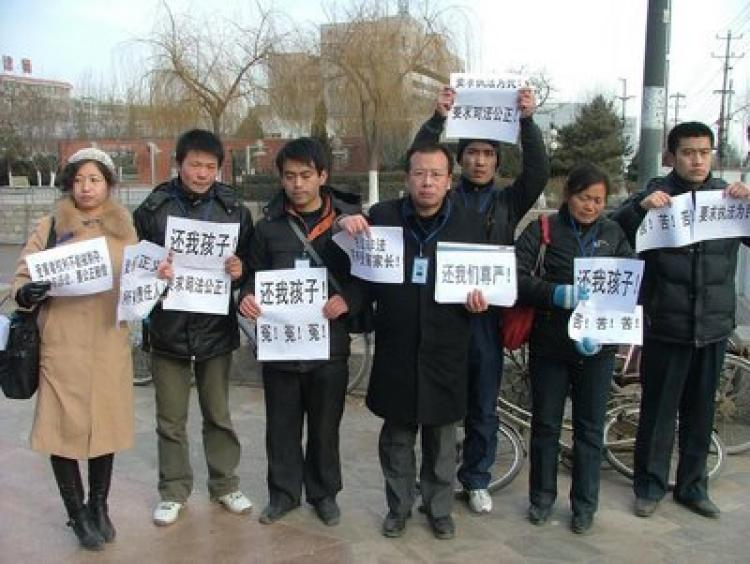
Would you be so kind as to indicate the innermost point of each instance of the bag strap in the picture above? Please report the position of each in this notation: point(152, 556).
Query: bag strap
point(313, 253)
point(52, 235)
point(545, 239)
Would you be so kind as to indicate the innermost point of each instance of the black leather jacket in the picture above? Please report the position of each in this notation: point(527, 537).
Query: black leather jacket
point(184, 334)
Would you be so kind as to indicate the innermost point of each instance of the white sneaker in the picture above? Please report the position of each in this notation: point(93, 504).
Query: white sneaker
point(167, 512)
point(236, 502)
point(479, 501)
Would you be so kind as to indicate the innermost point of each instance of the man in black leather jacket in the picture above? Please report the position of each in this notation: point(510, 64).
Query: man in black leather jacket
point(688, 296)
point(180, 339)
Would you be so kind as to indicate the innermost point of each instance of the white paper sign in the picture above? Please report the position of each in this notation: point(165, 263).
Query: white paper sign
point(77, 269)
point(139, 286)
point(612, 283)
point(199, 291)
point(713, 216)
point(4, 332)
point(720, 217)
point(461, 268)
point(378, 258)
point(486, 107)
point(200, 244)
point(291, 325)
point(606, 326)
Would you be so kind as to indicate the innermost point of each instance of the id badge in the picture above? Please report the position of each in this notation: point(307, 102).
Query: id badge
point(301, 263)
point(419, 270)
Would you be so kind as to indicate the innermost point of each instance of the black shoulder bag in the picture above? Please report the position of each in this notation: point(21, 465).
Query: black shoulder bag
point(19, 362)
point(364, 321)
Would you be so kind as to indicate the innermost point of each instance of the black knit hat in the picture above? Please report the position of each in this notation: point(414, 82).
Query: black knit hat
point(464, 142)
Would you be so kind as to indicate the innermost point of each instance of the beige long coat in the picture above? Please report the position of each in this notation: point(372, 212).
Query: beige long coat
point(84, 405)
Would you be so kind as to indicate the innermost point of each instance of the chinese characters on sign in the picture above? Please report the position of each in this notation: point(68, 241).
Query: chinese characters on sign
point(611, 283)
point(606, 326)
point(461, 268)
point(139, 286)
point(378, 258)
point(200, 244)
point(714, 216)
point(200, 249)
point(486, 107)
point(291, 325)
point(77, 269)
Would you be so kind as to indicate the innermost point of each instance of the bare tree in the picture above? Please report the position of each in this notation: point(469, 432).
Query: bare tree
point(209, 65)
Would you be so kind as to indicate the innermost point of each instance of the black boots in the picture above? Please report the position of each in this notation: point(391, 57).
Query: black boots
point(100, 476)
point(91, 524)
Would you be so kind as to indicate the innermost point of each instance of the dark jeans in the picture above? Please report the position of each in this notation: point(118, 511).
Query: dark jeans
point(290, 396)
point(480, 426)
point(676, 379)
point(398, 461)
point(588, 381)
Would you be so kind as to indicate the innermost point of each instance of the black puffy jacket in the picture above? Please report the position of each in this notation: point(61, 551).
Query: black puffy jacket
point(688, 292)
point(275, 246)
point(184, 334)
point(549, 335)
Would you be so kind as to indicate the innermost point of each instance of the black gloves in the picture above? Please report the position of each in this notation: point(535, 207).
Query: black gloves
point(32, 293)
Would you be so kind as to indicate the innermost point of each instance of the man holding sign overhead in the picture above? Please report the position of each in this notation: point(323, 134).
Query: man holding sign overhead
point(182, 215)
point(688, 296)
point(500, 209)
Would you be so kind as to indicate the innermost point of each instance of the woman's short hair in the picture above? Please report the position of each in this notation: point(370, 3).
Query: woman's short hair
point(583, 176)
point(70, 171)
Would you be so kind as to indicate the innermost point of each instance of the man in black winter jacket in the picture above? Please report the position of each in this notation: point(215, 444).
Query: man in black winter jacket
point(315, 388)
point(688, 296)
point(180, 339)
point(500, 209)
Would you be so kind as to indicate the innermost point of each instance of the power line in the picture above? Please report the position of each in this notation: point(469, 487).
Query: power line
point(723, 125)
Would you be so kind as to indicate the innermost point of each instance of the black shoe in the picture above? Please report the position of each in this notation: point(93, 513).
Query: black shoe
point(582, 523)
point(644, 507)
point(273, 513)
point(394, 525)
point(100, 517)
point(328, 511)
point(539, 515)
point(704, 507)
point(442, 527)
point(88, 535)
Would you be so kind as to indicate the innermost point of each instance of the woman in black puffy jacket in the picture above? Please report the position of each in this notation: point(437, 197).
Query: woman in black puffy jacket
point(559, 365)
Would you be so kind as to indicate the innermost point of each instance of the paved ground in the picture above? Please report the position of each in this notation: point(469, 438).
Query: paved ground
point(32, 518)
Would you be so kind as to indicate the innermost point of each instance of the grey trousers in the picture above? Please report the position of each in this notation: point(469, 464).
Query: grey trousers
point(437, 471)
point(220, 444)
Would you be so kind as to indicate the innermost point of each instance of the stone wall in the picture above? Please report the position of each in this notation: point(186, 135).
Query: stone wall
point(17, 221)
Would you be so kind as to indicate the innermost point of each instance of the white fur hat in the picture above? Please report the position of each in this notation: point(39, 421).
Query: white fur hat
point(94, 154)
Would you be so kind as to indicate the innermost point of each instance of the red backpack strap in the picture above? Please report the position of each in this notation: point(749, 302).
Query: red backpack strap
point(544, 224)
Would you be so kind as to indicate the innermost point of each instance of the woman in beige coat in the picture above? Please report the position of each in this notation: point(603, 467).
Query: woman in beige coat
point(84, 406)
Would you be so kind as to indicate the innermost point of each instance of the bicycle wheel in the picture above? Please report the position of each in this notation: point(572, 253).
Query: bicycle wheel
point(360, 359)
point(732, 408)
point(619, 446)
point(509, 457)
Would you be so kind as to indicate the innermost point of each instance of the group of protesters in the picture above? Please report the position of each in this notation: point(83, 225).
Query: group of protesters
point(435, 365)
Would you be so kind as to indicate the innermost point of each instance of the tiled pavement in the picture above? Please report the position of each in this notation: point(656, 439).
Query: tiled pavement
point(32, 518)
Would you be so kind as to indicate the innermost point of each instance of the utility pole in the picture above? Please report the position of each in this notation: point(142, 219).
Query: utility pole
point(723, 113)
point(652, 108)
point(624, 98)
point(677, 106)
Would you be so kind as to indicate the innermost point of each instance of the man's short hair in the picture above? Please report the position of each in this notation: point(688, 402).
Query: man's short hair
point(199, 140)
point(688, 129)
point(304, 150)
point(429, 148)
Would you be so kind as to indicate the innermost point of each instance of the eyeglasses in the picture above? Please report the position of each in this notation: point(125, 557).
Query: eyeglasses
point(420, 174)
point(92, 179)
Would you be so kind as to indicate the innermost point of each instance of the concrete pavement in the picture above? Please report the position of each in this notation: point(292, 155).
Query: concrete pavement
point(32, 517)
